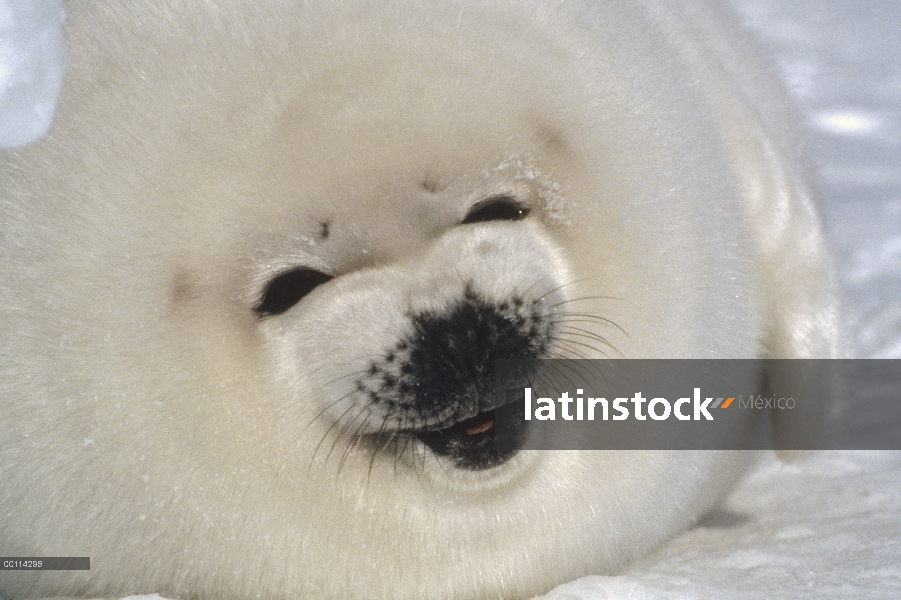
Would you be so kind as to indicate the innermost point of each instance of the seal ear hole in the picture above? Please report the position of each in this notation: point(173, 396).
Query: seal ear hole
point(287, 289)
point(498, 208)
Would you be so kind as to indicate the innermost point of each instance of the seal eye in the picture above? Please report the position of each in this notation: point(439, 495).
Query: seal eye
point(288, 289)
point(500, 208)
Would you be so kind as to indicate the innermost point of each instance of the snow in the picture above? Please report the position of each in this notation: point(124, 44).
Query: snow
point(824, 527)
point(32, 57)
point(828, 526)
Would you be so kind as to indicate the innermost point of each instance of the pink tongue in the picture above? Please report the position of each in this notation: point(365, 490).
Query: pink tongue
point(481, 427)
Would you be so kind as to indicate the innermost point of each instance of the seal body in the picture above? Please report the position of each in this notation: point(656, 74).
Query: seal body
point(254, 277)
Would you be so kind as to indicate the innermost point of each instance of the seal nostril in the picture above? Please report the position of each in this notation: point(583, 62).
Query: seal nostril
point(287, 289)
point(499, 208)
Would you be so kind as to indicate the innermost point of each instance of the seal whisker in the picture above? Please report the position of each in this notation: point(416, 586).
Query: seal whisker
point(588, 317)
point(342, 432)
point(565, 285)
point(325, 409)
point(356, 440)
point(567, 331)
point(325, 435)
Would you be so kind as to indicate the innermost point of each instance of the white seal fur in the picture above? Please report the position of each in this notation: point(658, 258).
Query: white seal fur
point(216, 264)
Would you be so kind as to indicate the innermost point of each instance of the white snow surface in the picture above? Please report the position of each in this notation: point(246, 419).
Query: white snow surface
point(32, 58)
point(825, 527)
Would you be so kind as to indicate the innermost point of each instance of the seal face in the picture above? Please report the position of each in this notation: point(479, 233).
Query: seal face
point(489, 289)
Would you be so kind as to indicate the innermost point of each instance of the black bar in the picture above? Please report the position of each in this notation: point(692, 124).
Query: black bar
point(45, 563)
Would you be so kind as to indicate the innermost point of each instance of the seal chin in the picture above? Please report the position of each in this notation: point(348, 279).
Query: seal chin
point(473, 443)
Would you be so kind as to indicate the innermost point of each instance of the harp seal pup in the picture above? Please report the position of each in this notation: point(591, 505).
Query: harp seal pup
point(257, 230)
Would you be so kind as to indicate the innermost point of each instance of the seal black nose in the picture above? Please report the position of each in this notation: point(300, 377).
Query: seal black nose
point(445, 382)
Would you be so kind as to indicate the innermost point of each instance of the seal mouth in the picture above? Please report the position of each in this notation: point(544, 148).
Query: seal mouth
point(471, 443)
